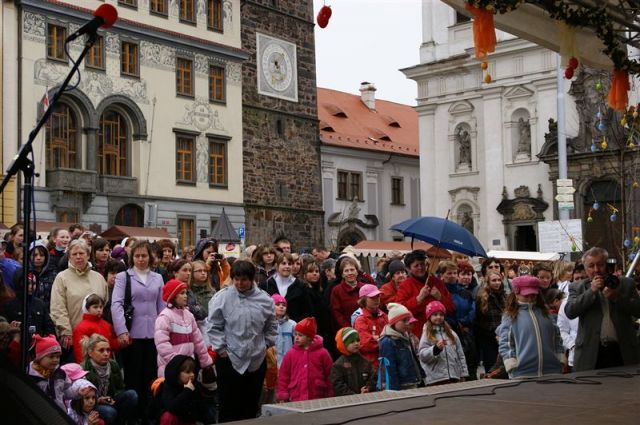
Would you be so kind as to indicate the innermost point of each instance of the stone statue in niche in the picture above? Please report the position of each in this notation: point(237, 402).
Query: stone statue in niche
point(463, 138)
point(524, 139)
point(467, 222)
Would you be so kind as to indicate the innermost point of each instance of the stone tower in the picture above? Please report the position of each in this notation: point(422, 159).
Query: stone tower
point(282, 174)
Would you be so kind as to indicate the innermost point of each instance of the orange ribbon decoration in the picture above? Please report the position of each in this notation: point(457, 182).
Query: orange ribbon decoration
point(484, 31)
point(618, 97)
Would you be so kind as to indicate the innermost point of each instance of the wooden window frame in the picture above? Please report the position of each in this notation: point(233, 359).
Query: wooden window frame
point(98, 45)
point(165, 6)
point(397, 192)
point(136, 59)
point(68, 146)
point(185, 158)
point(214, 6)
point(55, 48)
point(214, 165)
point(120, 151)
point(213, 80)
point(180, 77)
point(185, 220)
point(182, 8)
point(133, 4)
point(347, 181)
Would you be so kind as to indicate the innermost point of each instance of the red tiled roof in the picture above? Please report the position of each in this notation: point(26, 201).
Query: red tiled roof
point(392, 127)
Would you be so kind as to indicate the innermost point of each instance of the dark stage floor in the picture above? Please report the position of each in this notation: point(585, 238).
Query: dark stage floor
point(605, 397)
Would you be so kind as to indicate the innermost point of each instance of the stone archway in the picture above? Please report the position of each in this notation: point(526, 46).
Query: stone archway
point(349, 236)
point(130, 215)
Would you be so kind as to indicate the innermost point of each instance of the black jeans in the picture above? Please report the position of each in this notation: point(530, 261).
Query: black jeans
point(609, 355)
point(239, 394)
point(140, 370)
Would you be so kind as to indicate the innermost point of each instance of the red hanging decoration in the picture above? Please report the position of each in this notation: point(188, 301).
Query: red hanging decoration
point(484, 31)
point(618, 97)
point(323, 16)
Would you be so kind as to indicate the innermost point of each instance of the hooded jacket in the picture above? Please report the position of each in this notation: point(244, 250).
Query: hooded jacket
point(57, 387)
point(530, 345)
point(284, 340)
point(465, 305)
point(442, 365)
point(350, 373)
point(305, 374)
point(177, 333)
point(43, 279)
point(367, 326)
point(89, 325)
point(175, 398)
point(400, 361)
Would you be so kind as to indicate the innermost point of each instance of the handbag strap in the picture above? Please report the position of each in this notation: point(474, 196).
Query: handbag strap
point(127, 289)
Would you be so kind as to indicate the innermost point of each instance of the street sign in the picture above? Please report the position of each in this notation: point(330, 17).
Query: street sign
point(564, 198)
point(566, 205)
point(241, 232)
point(564, 182)
point(566, 190)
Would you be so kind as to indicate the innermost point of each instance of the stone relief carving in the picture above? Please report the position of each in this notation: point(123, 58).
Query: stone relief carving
point(524, 134)
point(522, 192)
point(201, 115)
point(174, 8)
point(202, 64)
point(95, 85)
point(233, 73)
point(202, 159)
point(523, 212)
point(201, 12)
point(112, 44)
point(157, 55)
point(227, 13)
point(33, 26)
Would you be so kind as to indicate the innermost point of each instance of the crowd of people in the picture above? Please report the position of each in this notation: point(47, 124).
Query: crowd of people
point(134, 333)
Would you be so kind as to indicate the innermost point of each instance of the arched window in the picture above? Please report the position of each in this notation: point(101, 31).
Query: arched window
point(113, 136)
point(130, 215)
point(61, 138)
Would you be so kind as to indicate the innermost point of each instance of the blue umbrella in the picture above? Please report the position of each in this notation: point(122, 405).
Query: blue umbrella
point(443, 233)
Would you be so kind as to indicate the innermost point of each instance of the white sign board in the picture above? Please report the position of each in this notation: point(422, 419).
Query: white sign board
point(556, 236)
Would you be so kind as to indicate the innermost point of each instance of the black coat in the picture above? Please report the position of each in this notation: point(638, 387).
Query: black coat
point(173, 397)
point(38, 314)
point(299, 303)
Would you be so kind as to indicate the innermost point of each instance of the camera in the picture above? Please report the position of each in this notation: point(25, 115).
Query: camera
point(218, 256)
point(611, 281)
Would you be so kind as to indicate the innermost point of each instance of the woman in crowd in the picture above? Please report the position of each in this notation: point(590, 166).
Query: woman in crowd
point(489, 308)
point(181, 270)
point(311, 277)
point(264, 258)
point(137, 335)
point(70, 288)
point(284, 283)
point(218, 266)
point(100, 253)
point(345, 295)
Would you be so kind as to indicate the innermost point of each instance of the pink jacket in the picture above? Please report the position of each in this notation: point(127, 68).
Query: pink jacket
point(305, 374)
point(176, 333)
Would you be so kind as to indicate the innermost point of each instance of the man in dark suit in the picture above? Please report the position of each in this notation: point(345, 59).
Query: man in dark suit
point(606, 306)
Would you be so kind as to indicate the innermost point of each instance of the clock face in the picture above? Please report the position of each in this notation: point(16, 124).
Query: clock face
point(277, 68)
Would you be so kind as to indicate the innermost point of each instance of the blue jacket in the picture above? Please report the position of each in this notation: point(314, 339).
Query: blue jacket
point(284, 340)
point(464, 301)
point(530, 345)
point(402, 367)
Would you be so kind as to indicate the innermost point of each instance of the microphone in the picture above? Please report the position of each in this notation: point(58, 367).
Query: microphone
point(105, 16)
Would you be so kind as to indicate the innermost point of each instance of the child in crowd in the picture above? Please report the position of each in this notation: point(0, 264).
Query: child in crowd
point(399, 365)
point(114, 403)
point(284, 340)
point(553, 298)
point(202, 290)
point(179, 398)
point(45, 370)
point(544, 273)
point(82, 409)
point(530, 343)
point(92, 323)
point(351, 373)
point(397, 273)
point(441, 353)
point(370, 323)
point(113, 268)
point(176, 330)
point(61, 239)
point(305, 373)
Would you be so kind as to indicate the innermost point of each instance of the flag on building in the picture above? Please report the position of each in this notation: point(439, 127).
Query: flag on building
point(45, 101)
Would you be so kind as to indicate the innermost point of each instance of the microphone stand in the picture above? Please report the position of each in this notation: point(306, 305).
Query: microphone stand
point(23, 163)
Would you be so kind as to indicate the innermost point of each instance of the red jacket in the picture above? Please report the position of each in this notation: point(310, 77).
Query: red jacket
point(344, 301)
point(305, 374)
point(409, 290)
point(389, 294)
point(89, 325)
point(367, 326)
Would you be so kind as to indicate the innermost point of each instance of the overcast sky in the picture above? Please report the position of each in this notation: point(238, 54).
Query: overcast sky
point(369, 40)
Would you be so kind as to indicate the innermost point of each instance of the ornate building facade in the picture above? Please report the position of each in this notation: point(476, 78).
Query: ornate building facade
point(151, 135)
point(282, 180)
point(479, 143)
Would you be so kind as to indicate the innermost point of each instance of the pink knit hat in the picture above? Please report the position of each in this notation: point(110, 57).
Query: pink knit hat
point(278, 299)
point(525, 285)
point(435, 307)
point(45, 346)
point(171, 289)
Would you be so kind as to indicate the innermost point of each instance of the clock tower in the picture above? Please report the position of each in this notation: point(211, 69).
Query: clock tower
point(281, 145)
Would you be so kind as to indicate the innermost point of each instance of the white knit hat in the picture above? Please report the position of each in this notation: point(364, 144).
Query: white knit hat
point(397, 312)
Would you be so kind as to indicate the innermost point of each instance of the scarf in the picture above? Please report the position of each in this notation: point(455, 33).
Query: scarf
point(104, 373)
point(46, 373)
point(283, 283)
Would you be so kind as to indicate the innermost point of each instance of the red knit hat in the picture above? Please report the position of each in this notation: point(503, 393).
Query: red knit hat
point(45, 346)
point(171, 289)
point(307, 327)
point(435, 307)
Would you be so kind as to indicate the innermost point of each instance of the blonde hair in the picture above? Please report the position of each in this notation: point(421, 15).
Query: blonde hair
point(446, 265)
point(89, 343)
point(204, 266)
point(482, 301)
point(430, 332)
point(560, 268)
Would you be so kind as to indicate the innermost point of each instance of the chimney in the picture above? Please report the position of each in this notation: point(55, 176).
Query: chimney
point(368, 95)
